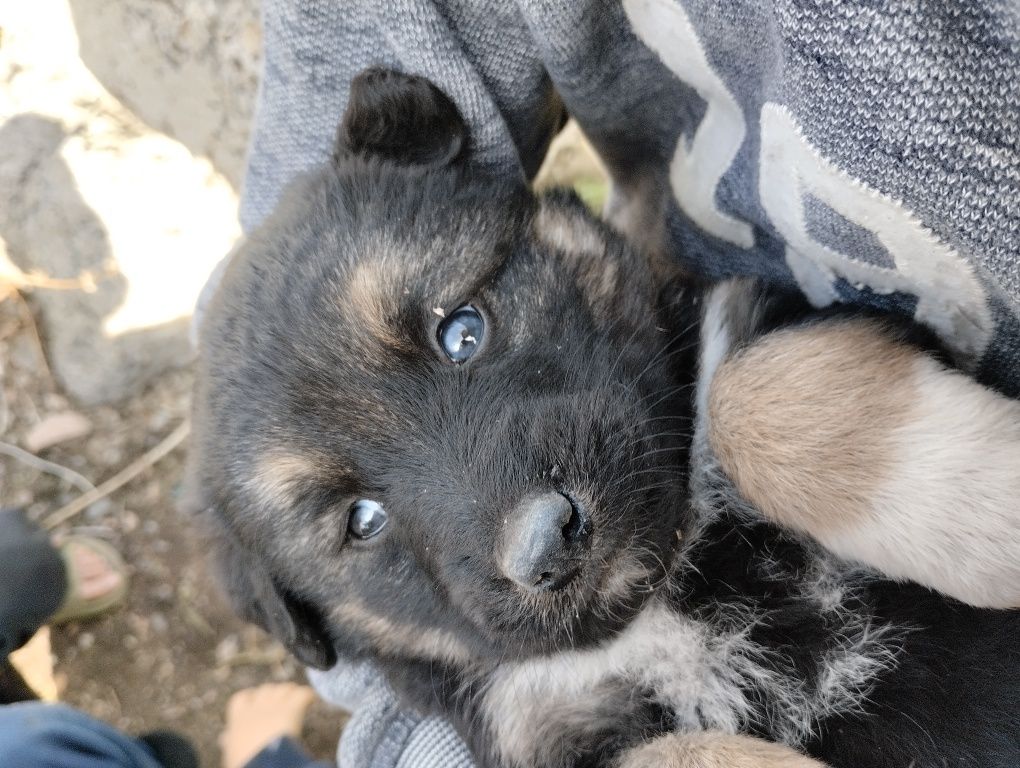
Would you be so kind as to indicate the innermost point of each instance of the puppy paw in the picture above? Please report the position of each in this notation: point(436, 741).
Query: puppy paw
point(711, 749)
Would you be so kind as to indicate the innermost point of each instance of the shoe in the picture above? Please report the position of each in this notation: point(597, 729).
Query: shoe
point(75, 606)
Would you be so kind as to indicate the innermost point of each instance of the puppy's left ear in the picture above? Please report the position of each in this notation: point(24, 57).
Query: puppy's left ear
point(258, 598)
point(401, 118)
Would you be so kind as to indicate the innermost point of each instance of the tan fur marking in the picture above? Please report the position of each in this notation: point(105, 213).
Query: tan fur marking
point(567, 232)
point(276, 475)
point(400, 639)
point(584, 247)
point(368, 295)
point(802, 421)
point(712, 749)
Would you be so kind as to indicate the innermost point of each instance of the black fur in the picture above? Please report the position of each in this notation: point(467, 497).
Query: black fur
point(321, 383)
point(406, 119)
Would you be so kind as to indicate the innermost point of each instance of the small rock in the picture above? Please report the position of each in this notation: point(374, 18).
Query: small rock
point(228, 649)
point(99, 510)
point(139, 625)
point(57, 428)
point(159, 624)
point(163, 593)
point(159, 420)
point(152, 493)
point(21, 498)
point(86, 640)
point(128, 521)
point(110, 456)
point(54, 402)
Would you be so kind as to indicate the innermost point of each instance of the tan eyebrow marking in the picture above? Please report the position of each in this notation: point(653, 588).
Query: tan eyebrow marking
point(277, 475)
point(373, 292)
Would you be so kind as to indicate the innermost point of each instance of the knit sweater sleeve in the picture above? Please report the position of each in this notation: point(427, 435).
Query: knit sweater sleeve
point(479, 53)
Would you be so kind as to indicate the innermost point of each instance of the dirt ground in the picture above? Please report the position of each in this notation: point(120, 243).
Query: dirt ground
point(171, 657)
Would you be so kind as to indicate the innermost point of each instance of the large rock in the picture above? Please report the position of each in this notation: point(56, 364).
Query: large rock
point(133, 199)
point(188, 68)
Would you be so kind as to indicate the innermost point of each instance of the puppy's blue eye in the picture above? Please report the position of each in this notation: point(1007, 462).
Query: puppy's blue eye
point(461, 333)
point(367, 519)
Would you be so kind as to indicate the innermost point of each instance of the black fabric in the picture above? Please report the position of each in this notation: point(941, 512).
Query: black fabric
point(33, 580)
point(12, 687)
point(171, 749)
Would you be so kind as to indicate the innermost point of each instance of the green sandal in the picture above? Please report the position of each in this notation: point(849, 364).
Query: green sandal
point(75, 606)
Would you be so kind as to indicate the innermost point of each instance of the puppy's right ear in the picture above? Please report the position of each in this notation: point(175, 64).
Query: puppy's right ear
point(259, 599)
point(401, 118)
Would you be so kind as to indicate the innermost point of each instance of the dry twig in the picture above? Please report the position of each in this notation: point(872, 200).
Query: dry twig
point(57, 470)
point(126, 475)
point(12, 280)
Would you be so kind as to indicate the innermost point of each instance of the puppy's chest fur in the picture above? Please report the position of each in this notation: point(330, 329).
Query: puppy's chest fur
point(753, 634)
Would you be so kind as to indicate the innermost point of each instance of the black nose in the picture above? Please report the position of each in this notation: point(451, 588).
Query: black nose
point(543, 541)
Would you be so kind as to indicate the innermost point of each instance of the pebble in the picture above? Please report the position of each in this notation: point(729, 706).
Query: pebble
point(99, 510)
point(129, 521)
point(21, 498)
point(159, 420)
point(55, 429)
point(86, 640)
point(159, 624)
point(164, 593)
point(227, 649)
point(110, 457)
point(152, 493)
point(54, 402)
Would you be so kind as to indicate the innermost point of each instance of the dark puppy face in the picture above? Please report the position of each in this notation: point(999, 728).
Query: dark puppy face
point(435, 417)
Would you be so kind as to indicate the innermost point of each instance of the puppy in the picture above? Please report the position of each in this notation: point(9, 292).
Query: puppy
point(461, 431)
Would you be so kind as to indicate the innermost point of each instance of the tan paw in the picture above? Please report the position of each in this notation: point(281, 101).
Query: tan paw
point(711, 749)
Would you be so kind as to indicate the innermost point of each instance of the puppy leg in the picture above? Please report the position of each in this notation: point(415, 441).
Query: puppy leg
point(886, 457)
point(711, 749)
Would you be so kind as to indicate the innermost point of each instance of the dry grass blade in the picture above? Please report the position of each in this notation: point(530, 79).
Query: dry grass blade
point(12, 278)
point(57, 470)
point(126, 475)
